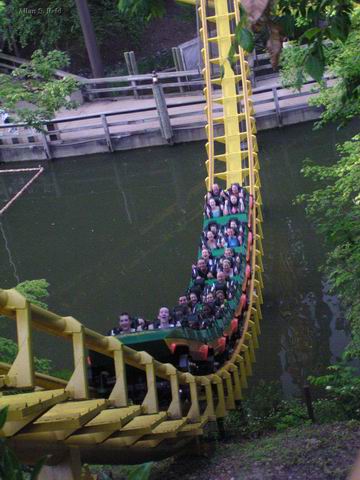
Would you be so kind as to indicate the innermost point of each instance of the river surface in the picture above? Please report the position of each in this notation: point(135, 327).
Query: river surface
point(119, 232)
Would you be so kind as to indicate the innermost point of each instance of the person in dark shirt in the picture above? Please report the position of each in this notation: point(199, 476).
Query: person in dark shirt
point(219, 298)
point(194, 302)
point(206, 316)
point(201, 270)
point(181, 311)
point(221, 283)
point(216, 193)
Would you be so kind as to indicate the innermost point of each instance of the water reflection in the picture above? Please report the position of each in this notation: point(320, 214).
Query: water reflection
point(120, 232)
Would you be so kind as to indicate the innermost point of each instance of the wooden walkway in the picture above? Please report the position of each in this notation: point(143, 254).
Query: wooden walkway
point(127, 122)
point(185, 110)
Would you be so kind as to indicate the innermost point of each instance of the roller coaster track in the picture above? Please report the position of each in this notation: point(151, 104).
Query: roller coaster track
point(62, 418)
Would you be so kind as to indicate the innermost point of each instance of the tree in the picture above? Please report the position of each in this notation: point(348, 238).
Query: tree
point(334, 208)
point(32, 94)
point(311, 23)
point(334, 204)
point(342, 100)
point(147, 9)
point(54, 24)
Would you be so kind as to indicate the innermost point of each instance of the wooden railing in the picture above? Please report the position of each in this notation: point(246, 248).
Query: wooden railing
point(110, 125)
point(135, 85)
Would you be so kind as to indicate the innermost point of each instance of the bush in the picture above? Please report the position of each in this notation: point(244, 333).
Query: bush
point(341, 387)
point(265, 410)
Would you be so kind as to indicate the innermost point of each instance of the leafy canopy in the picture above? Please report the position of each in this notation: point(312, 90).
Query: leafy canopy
point(32, 94)
point(334, 208)
point(312, 23)
point(341, 99)
point(147, 9)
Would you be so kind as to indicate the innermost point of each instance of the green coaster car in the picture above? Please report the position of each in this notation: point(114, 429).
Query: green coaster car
point(189, 349)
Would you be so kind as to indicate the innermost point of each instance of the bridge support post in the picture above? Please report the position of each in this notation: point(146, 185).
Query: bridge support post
point(242, 371)
point(210, 410)
point(68, 469)
point(78, 383)
point(21, 373)
point(132, 69)
point(194, 412)
point(174, 409)
point(165, 124)
point(150, 402)
point(119, 394)
point(220, 409)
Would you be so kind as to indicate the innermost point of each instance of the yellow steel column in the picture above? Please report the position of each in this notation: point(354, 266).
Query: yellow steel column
point(209, 410)
point(174, 409)
point(21, 373)
point(78, 383)
point(150, 402)
point(119, 394)
point(194, 412)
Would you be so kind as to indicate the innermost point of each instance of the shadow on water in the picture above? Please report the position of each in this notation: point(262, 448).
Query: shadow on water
point(119, 232)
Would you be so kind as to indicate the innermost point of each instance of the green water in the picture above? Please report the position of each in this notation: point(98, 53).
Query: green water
point(120, 231)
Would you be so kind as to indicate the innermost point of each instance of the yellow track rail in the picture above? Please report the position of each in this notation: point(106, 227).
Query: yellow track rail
point(51, 416)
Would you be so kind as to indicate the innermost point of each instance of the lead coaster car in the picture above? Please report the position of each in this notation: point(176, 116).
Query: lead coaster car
point(198, 351)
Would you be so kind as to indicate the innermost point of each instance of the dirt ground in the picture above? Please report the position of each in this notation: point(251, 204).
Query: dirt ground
point(323, 452)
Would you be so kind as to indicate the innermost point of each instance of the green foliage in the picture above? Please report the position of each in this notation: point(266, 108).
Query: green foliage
point(315, 62)
point(10, 467)
point(130, 472)
point(140, 472)
point(311, 24)
point(8, 349)
point(34, 291)
point(292, 67)
point(54, 24)
point(342, 58)
point(341, 101)
point(244, 38)
point(265, 410)
point(342, 388)
point(314, 20)
point(35, 84)
point(334, 209)
point(45, 20)
point(147, 9)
